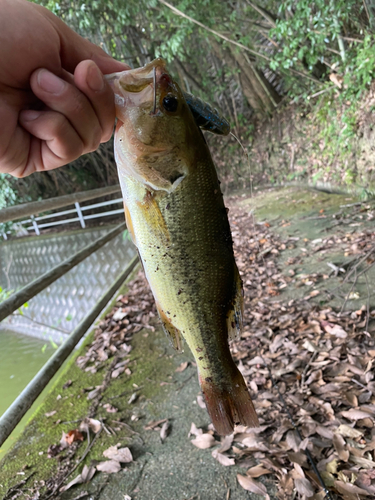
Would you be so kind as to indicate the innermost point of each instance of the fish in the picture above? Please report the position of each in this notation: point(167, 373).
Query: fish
point(177, 219)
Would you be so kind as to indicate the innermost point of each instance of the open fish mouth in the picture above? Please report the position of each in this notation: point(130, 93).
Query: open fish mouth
point(137, 87)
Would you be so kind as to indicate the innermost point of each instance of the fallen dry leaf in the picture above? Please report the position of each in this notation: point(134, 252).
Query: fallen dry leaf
point(50, 413)
point(340, 447)
point(347, 431)
point(86, 475)
point(164, 430)
point(222, 459)
point(335, 330)
point(110, 466)
point(350, 490)
point(94, 393)
point(76, 480)
point(257, 471)
point(204, 441)
point(182, 367)
point(353, 414)
point(67, 384)
point(116, 373)
point(226, 443)
point(194, 431)
point(304, 487)
point(70, 437)
point(90, 423)
point(110, 408)
point(122, 455)
point(250, 484)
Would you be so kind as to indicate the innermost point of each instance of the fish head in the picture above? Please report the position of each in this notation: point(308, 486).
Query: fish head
point(155, 130)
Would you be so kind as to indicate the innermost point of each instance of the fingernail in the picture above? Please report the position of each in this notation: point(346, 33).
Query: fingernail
point(95, 79)
point(30, 115)
point(50, 82)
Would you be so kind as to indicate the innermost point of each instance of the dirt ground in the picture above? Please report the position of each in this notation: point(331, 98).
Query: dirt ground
point(305, 257)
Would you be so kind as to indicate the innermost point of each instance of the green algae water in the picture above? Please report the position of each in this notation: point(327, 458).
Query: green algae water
point(21, 357)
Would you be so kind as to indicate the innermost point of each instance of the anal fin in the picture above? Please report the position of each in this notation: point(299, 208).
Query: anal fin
point(171, 331)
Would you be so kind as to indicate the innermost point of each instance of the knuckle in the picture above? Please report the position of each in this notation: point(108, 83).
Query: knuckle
point(95, 138)
point(68, 144)
point(79, 106)
point(106, 136)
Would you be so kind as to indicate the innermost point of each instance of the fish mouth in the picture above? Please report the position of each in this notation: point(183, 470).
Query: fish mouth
point(138, 87)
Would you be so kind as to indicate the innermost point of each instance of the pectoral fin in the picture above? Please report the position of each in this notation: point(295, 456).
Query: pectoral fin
point(129, 224)
point(172, 332)
point(235, 313)
point(154, 218)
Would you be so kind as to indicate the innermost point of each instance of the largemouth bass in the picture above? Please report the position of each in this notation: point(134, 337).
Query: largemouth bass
point(175, 213)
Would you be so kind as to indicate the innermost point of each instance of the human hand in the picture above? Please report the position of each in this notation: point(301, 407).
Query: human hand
point(54, 103)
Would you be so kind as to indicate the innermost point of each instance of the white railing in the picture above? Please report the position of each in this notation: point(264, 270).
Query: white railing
point(36, 224)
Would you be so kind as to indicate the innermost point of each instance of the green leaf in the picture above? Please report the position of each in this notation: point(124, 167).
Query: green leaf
point(53, 343)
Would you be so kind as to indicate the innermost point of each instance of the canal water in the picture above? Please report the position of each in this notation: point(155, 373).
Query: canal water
point(21, 357)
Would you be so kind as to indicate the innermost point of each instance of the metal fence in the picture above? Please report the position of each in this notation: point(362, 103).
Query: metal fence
point(36, 222)
point(19, 407)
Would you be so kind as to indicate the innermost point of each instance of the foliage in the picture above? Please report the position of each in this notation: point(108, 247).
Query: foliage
point(4, 294)
point(306, 29)
point(8, 197)
point(296, 47)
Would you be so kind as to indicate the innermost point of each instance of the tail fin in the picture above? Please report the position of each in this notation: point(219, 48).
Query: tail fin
point(229, 405)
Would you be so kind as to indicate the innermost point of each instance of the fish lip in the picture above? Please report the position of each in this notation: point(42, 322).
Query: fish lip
point(132, 87)
point(145, 70)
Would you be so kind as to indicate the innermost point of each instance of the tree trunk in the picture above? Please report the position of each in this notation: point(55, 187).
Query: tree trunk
point(247, 88)
point(267, 95)
point(257, 90)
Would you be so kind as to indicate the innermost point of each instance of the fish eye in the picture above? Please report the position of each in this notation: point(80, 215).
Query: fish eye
point(170, 103)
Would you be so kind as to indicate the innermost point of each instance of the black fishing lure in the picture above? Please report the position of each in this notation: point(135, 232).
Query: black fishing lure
point(206, 117)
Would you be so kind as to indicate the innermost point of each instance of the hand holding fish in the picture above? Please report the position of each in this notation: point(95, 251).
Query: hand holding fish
point(54, 103)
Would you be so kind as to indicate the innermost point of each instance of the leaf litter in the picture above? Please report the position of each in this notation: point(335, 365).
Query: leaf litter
point(310, 373)
point(316, 359)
